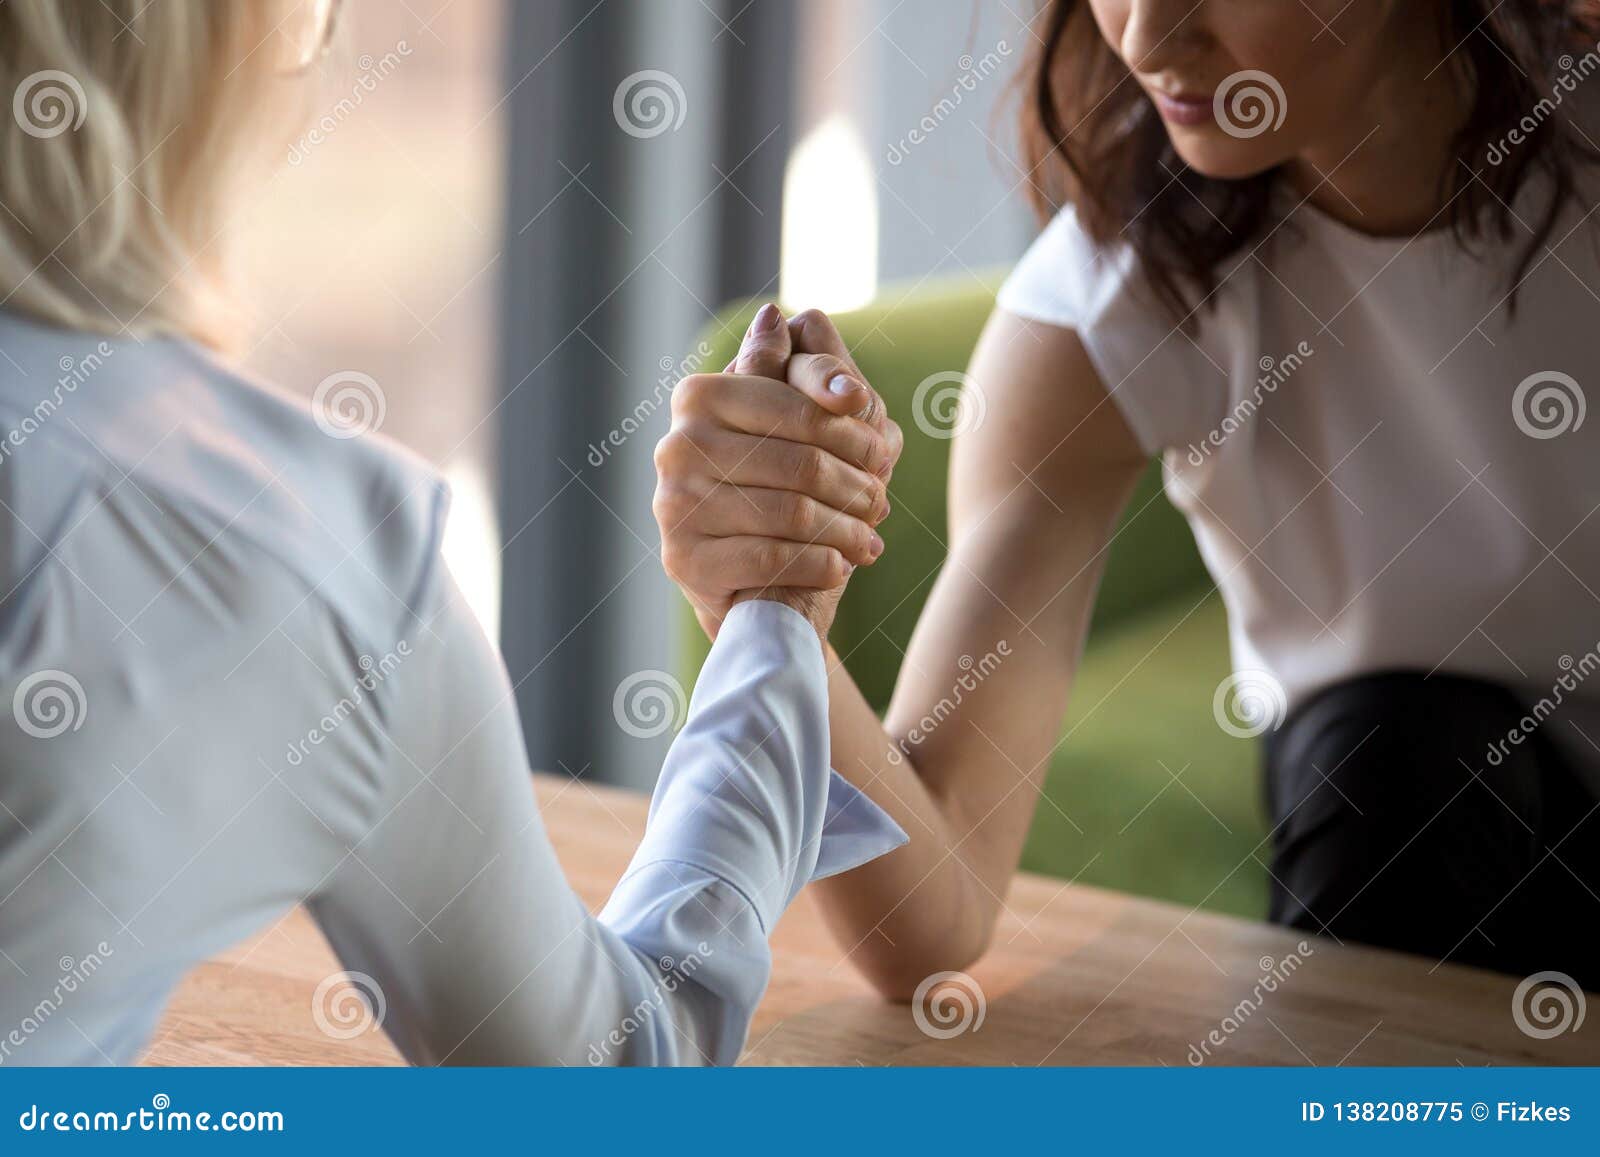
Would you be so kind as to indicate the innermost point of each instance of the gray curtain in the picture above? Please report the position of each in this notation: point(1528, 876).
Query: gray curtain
point(647, 140)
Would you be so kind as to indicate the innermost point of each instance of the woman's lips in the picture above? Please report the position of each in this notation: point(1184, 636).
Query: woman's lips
point(1183, 109)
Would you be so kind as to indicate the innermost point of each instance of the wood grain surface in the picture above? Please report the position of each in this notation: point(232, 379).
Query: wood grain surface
point(1077, 976)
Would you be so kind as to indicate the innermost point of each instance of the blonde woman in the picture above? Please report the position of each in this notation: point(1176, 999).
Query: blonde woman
point(240, 675)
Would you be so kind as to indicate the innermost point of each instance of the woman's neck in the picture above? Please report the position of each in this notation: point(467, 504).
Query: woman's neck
point(1385, 172)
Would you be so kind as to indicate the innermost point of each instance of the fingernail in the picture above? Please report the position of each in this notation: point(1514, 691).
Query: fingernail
point(766, 319)
point(849, 568)
point(841, 384)
point(875, 547)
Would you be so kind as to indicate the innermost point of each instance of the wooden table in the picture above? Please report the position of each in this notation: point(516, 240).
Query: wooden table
point(1077, 976)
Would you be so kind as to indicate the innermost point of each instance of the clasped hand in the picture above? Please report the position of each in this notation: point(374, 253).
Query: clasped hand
point(774, 476)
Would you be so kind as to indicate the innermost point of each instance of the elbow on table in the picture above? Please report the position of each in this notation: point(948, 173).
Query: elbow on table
point(897, 971)
point(947, 927)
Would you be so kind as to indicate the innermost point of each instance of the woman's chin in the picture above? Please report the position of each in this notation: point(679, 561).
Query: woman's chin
point(1212, 153)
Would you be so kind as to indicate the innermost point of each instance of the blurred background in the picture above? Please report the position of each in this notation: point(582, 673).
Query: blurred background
point(525, 220)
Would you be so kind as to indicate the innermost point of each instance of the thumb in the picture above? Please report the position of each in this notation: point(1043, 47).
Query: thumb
point(765, 349)
point(838, 387)
point(834, 385)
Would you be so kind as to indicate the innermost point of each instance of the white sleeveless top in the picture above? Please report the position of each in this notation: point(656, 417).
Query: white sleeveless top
point(1384, 468)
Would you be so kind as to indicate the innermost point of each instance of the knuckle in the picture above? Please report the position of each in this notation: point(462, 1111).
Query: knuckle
point(896, 439)
point(807, 318)
point(814, 420)
point(693, 394)
point(677, 455)
point(659, 503)
point(795, 513)
point(876, 454)
point(880, 502)
point(810, 466)
point(674, 559)
point(699, 563)
point(668, 452)
point(769, 559)
point(671, 505)
point(838, 569)
point(827, 365)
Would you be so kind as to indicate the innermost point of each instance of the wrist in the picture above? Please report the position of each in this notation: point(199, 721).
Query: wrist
point(803, 603)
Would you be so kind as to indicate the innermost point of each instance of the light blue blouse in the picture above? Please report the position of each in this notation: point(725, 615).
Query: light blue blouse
point(242, 679)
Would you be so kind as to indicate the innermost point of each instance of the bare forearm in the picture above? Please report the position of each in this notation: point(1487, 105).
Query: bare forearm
point(961, 757)
point(917, 909)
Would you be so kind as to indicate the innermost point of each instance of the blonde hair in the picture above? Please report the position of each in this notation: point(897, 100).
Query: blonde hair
point(132, 124)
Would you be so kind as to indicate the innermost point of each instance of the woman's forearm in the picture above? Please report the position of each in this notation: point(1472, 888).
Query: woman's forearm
point(1035, 492)
point(959, 761)
point(916, 910)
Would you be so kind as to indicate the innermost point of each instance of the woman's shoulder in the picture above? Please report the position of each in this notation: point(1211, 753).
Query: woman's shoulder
point(1162, 372)
point(355, 512)
point(347, 515)
point(1070, 278)
point(1066, 277)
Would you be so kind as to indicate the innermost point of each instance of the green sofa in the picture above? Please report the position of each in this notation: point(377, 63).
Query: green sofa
point(1167, 802)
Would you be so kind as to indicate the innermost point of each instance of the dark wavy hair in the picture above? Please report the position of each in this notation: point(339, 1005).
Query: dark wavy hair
point(1093, 139)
